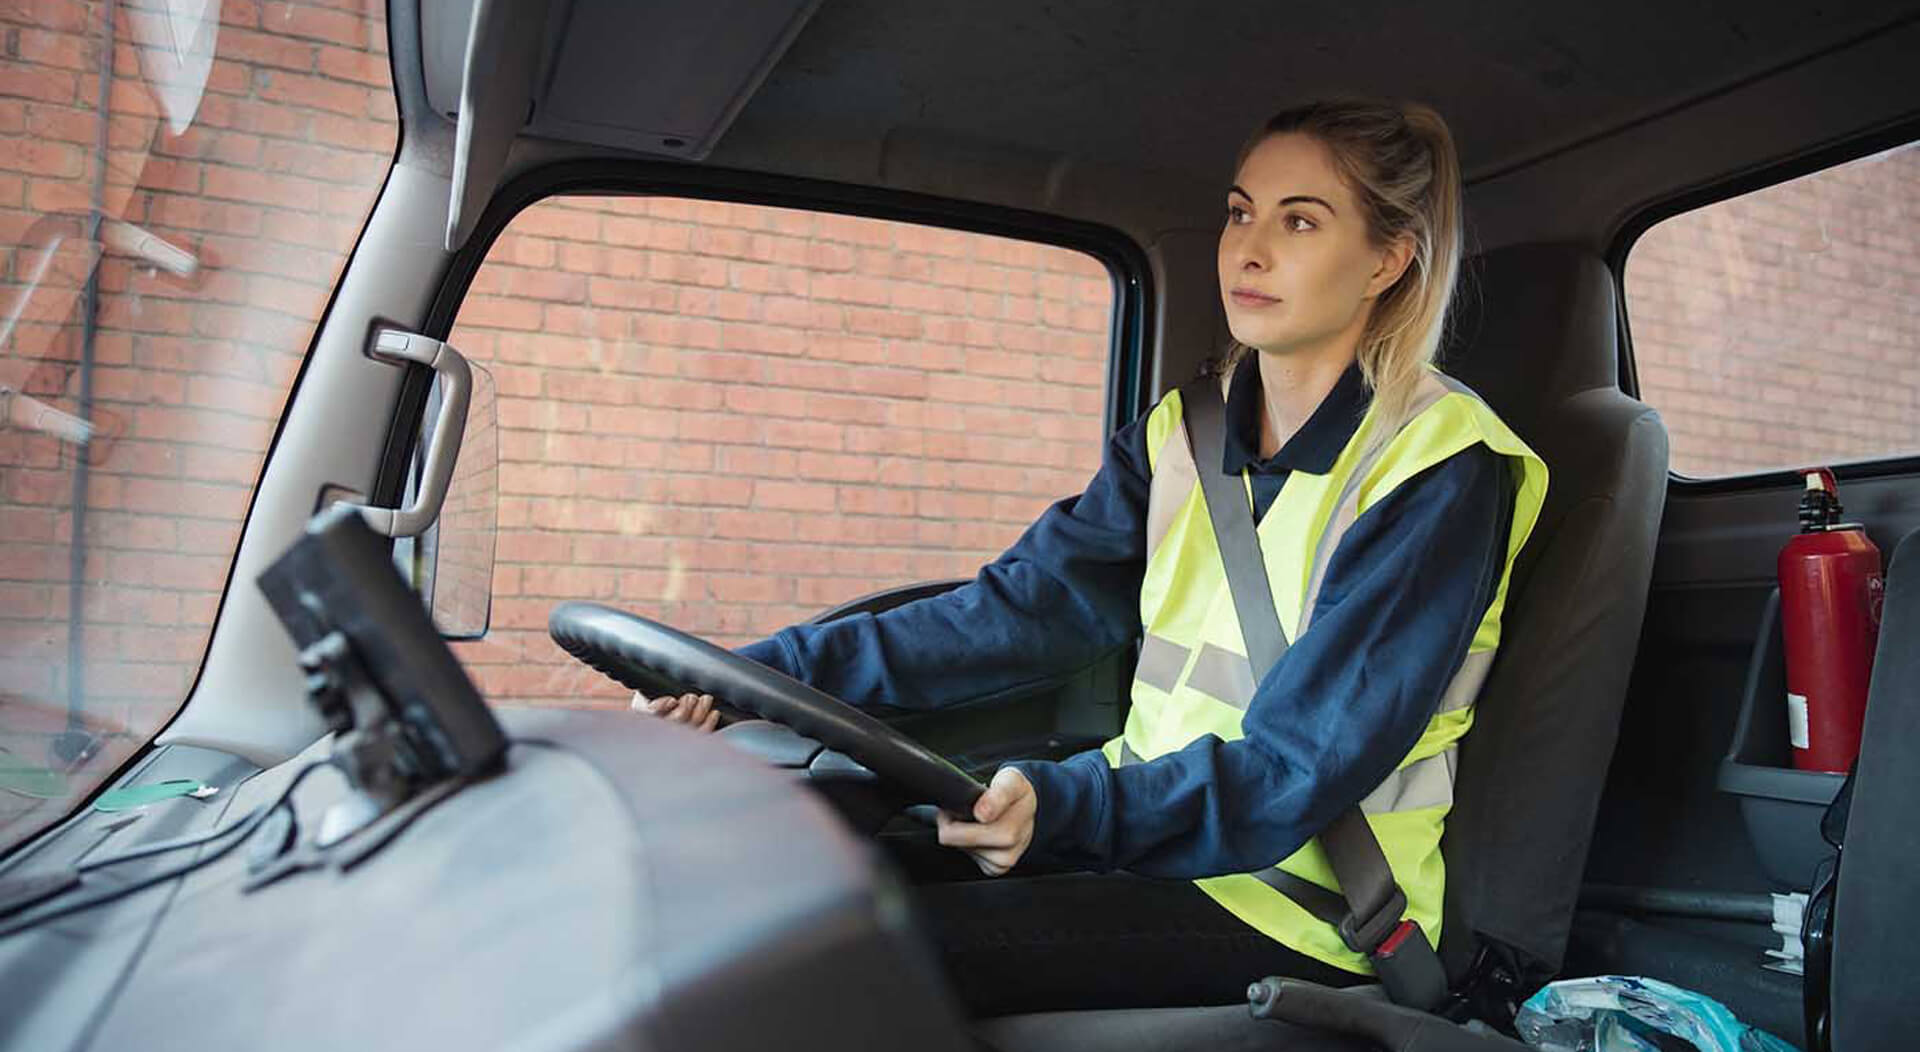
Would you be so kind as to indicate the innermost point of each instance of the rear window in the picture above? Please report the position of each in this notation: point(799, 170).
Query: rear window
point(730, 417)
point(1781, 328)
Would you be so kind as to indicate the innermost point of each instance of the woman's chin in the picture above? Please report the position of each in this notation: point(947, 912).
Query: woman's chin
point(1261, 340)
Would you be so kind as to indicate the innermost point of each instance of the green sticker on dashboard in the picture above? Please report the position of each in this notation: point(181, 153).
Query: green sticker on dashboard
point(141, 795)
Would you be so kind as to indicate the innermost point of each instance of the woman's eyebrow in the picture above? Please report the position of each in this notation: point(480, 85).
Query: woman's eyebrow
point(1295, 199)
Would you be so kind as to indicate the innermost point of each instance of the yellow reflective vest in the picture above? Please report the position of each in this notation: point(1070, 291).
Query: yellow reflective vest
point(1194, 677)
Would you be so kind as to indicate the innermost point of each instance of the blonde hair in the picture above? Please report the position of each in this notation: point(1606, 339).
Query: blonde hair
point(1398, 159)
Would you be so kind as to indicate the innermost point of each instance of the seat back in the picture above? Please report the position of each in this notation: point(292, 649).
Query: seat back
point(1871, 1004)
point(1535, 335)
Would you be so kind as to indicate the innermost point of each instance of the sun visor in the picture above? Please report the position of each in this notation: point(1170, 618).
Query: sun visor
point(662, 78)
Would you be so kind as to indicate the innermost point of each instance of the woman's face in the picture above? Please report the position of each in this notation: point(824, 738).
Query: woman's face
point(1297, 272)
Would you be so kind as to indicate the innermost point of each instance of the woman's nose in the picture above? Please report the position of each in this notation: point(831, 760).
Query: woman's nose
point(1253, 254)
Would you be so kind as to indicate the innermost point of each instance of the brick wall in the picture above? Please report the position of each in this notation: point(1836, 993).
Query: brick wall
point(731, 417)
point(1782, 328)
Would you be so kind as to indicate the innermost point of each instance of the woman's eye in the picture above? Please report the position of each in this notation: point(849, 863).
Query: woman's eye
point(1299, 223)
point(1236, 214)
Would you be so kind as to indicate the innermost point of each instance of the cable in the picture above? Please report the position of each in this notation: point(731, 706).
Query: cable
point(250, 819)
point(244, 825)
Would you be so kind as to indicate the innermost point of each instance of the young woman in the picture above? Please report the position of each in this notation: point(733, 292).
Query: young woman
point(1390, 504)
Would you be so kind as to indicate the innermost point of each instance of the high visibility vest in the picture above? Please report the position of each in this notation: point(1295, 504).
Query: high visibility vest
point(1193, 676)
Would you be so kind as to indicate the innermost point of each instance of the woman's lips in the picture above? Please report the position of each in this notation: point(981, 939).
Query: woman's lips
point(1248, 298)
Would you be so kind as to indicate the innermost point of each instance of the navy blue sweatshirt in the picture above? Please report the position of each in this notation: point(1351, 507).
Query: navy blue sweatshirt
point(1403, 594)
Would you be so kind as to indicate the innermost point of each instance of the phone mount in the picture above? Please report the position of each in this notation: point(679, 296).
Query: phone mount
point(405, 714)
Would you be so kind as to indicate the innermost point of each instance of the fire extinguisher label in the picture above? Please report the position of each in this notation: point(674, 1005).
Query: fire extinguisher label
point(1797, 721)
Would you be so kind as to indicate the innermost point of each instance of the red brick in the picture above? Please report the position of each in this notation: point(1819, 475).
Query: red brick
point(48, 85)
point(377, 136)
point(28, 602)
point(361, 67)
point(756, 588)
point(567, 224)
point(500, 313)
point(631, 420)
point(182, 498)
point(805, 313)
point(764, 339)
point(803, 434)
point(247, 47)
point(46, 159)
point(716, 241)
point(687, 269)
point(517, 248)
point(627, 294)
point(316, 23)
point(229, 395)
point(261, 188)
point(837, 467)
point(895, 324)
point(318, 162)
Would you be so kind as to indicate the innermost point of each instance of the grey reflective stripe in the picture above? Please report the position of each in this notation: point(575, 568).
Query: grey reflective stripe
point(1161, 662)
point(1223, 674)
point(1348, 508)
point(1417, 786)
point(1429, 782)
point(1127, 755)
point(1456, 386)
point(1173, 482)
point(1467, 682)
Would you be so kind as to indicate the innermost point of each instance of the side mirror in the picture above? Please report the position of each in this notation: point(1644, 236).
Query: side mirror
point(450, 563)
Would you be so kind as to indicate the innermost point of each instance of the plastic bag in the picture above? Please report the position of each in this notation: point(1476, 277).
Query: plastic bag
point(1619, 1013)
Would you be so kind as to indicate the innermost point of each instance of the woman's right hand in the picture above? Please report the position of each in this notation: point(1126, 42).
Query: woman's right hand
point(694, 710)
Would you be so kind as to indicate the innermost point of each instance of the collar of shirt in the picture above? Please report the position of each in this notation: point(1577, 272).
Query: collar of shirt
point(1314, 447)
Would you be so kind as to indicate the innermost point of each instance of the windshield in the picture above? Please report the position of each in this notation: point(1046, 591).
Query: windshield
point(180, 183)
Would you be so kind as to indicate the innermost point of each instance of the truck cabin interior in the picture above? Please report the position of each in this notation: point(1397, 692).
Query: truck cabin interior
point(1626, 803)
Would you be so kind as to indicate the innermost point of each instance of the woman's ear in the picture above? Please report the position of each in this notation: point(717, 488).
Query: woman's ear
point(1393, 263)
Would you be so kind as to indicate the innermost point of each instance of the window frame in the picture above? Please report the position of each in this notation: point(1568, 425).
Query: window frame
point(1126, 262)
point(1628, 233)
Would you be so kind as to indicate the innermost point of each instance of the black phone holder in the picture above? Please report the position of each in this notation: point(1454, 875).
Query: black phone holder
point(405, 715)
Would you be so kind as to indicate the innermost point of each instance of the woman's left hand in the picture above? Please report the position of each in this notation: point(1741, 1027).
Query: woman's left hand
point(1002, 825)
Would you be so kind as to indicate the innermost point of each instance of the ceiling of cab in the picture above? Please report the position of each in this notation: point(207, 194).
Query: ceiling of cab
point(1175, 86)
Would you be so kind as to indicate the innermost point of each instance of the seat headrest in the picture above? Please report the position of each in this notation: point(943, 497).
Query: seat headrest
point(1533, 324)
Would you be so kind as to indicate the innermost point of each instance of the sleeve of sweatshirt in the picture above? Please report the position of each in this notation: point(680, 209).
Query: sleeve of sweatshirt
point(1404, 593)
point(1066, 594)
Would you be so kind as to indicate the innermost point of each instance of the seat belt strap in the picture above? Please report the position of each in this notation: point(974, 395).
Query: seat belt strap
point(1367, 910)
point(1230, 510)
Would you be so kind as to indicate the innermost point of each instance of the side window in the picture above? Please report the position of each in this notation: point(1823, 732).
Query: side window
point(1779, 329)
point(731, 418)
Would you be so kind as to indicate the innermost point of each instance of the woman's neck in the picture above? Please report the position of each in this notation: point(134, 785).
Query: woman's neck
point(1292, 387)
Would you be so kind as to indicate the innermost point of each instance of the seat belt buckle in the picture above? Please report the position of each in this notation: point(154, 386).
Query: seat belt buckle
point(1363, 934)
point(1409, 969)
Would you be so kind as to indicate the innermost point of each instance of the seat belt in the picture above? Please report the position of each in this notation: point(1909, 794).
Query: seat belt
point(1367, 909)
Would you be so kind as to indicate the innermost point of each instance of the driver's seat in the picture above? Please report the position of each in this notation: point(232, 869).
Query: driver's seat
point(1536, 336)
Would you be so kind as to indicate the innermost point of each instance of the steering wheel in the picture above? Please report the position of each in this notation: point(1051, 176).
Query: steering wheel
point(654, 659)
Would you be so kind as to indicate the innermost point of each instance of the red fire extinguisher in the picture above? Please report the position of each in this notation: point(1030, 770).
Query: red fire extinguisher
point(1831, 592)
